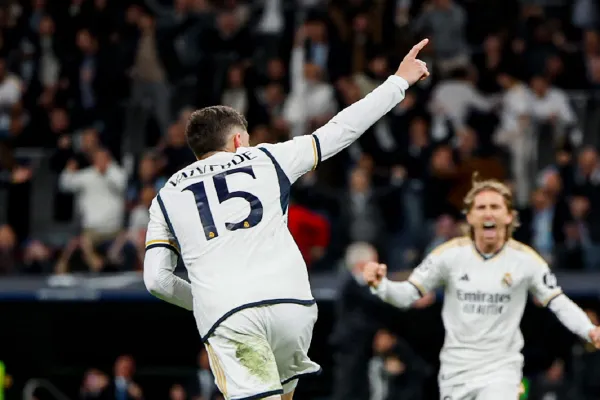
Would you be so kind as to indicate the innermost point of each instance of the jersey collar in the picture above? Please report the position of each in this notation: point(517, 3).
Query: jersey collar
point(487, 257)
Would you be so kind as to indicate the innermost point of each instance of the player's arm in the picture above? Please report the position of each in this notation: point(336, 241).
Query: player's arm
point(303, 153)
point(428, 276)
point(162, 252)
point(544, 287)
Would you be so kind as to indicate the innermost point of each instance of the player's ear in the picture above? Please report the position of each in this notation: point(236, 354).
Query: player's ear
point(509, 218)
point(237, 140)
point(469, 218)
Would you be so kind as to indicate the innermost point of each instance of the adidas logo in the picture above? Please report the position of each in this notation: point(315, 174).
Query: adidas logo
point(465, 277)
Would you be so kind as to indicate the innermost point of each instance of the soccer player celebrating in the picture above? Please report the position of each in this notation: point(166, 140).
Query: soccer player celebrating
point(486, 277)
point(226, 217)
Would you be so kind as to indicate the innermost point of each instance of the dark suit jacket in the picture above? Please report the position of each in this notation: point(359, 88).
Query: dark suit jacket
point(561, 216)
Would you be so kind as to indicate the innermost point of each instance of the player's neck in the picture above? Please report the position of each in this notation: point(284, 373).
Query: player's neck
point(489, 248)
point(212, 153)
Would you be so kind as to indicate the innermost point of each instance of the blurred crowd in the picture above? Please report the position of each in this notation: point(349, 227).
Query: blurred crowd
point(104, 88)
point(122, 383)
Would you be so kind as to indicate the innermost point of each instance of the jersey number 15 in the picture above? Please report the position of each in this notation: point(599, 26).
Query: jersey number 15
point(223, 194)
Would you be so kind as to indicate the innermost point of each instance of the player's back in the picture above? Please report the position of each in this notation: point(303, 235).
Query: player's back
point(228, 213)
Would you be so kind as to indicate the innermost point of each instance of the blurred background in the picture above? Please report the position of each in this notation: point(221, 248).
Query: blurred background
point(94, 96)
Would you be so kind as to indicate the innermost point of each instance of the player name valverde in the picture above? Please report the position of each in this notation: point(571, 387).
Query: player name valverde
point(202, 169)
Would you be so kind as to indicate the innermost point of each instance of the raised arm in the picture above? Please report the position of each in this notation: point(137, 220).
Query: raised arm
point(428, 276)
point(162, 252)
point(117, 178)
point(544, 287)
point(71, 180)
point(303, 153)
point(349, 124)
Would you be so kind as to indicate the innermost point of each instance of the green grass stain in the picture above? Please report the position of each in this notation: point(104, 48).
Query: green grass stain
point(258, 359)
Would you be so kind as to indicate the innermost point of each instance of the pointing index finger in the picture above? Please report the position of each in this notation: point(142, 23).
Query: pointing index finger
point(416, 48)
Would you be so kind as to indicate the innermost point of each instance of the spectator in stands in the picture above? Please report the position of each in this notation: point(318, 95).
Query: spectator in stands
point(175, 151)
point(37, 258)
point(552, 384)
point(365, 39)
point(491, 63)
point(456, 97)
point(551, 111)
point(8, 250)
point(445, 229)
point(94, 383)
point(16, 177)
point(87, 79)
point(586, 366)
point(150, 91)
point(130, 246)
point(100, 191)
point(445, 21)
point(311, 101)
point(202, 384)
point(122, 386)
point(238, 94)
point(515, 135)
point(10, 95)
point(177, 392)
point(591, 57)
point(584, 230)
point(147, 175)
point(80, 148)
point(439, 183)
point(361, 210)
point(395, 370)
point(357, 319)
point(544, 223)
point(311, 232)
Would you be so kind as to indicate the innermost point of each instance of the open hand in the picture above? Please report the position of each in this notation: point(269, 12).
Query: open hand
point(411, 68)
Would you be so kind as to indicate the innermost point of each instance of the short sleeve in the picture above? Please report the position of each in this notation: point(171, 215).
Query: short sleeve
point(429, 275)
point(159, 234)
point(295, 157)
point(544, 285)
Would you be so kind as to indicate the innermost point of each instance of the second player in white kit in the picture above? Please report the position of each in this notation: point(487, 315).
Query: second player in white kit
point(486, 278)
point(226, 217)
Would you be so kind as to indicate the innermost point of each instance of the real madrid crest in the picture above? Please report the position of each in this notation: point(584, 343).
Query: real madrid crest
point(507, 280)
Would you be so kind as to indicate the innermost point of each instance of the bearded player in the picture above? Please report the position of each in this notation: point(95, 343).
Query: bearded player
point(486, 277)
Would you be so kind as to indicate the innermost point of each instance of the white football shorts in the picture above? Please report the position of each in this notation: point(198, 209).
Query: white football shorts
point(262, 351)
point(493, 391)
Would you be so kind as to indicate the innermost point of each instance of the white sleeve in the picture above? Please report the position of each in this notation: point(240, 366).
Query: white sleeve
point(430, 274)
point(543, 284)
point(162, 252)
point(398, 294)
point(295, 157)
point(425, 278)
point(571, 316)
point(350, 123)
point(303, 153)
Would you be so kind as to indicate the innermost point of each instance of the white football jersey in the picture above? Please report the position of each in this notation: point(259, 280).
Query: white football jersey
point(484, 301)
point(227, 217)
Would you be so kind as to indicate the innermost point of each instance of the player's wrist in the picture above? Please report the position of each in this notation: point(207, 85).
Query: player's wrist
point(380, 286)
point(399, 81)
